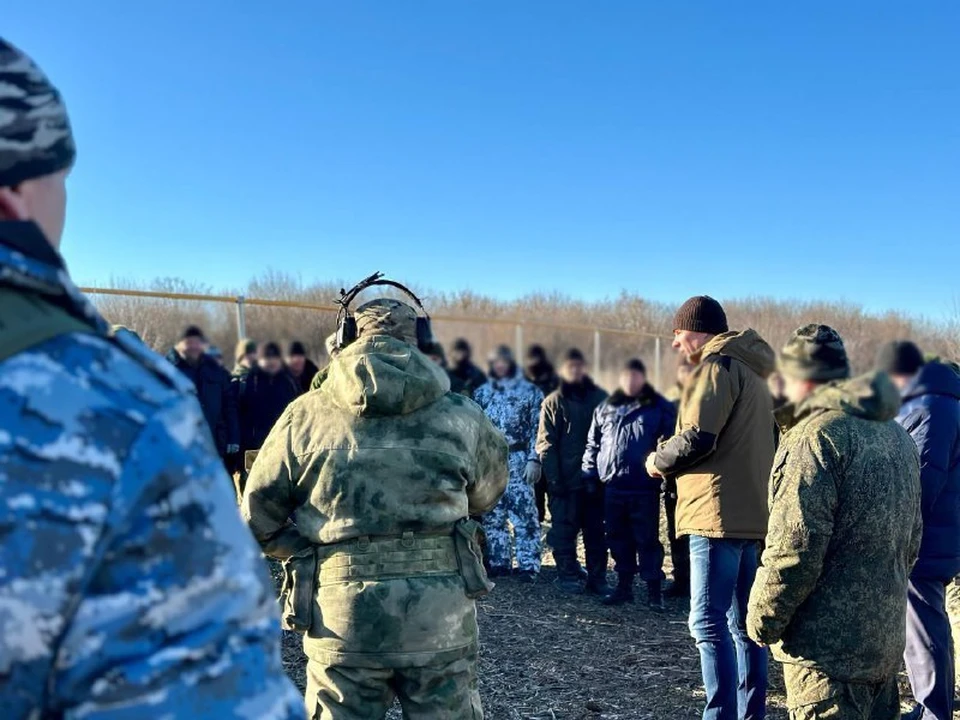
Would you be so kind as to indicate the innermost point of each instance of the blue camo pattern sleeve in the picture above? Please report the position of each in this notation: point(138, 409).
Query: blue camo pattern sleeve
point(130, 588)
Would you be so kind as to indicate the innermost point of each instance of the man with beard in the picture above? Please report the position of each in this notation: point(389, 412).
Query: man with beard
point(465, 377)
point(574, 506)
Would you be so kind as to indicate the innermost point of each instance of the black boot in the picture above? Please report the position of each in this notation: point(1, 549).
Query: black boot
point(655, 596)
point(597, 585)
point(677, 588)
point(622, 595)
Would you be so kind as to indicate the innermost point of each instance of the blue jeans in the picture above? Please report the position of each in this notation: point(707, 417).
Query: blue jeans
point(929, 652)
point(734, 668)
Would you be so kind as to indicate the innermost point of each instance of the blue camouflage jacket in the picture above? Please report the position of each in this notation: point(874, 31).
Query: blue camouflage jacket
point(513, 405)
point(129, 587)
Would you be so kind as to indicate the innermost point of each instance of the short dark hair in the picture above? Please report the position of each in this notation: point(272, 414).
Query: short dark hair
point(271, 350)
point(635, 365)
point(900, 357)
point(298, 348)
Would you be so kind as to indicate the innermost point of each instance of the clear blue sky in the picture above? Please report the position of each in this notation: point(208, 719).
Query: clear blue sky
point(804, 149)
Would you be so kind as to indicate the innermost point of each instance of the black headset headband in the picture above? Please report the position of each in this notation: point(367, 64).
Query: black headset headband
point(348, 296)
point(347, 325)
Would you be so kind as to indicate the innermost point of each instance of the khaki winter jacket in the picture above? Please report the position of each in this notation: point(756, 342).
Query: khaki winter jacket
point(723, 450)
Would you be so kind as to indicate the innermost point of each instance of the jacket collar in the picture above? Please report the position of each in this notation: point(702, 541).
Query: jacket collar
point(29, 262)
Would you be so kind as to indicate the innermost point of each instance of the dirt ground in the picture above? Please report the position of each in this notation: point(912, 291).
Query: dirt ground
point(546, 655)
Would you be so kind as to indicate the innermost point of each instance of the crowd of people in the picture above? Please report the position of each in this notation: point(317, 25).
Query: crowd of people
point(839, 498)
point(822, 525)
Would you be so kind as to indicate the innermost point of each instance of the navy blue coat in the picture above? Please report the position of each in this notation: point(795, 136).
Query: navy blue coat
point(623, 433)
point(931, 414)
point(216, 398)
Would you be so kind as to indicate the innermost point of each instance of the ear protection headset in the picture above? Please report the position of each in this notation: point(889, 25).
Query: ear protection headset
point(347, 323)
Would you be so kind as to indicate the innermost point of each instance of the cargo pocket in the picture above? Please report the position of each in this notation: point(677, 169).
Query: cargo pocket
point(466, 543)
point(299, 593)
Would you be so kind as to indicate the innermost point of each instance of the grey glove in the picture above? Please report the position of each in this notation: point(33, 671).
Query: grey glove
point(233, 449)
point(533, 472)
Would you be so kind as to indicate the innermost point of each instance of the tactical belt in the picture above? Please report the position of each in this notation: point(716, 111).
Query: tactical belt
point(387, 556)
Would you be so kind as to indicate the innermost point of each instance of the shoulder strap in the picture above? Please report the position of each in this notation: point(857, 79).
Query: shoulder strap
point(27, 320)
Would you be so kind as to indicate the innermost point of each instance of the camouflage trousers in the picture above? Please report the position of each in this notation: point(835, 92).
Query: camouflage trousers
point(811, 695)
point(517, 509)
point(435, 692)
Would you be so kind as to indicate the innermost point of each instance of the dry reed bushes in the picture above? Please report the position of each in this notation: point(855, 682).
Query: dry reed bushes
point(159, 322)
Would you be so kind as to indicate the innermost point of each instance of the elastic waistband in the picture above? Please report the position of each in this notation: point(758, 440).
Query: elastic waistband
point(385, 557)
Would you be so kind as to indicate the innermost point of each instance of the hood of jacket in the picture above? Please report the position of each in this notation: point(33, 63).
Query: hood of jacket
point(746, 346)
point(934, 378)
point(871, 397)
point(381, 375)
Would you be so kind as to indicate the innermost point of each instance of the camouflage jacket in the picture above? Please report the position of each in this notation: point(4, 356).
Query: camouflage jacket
point(382, 448)
point(513, 404)
point(130, 587)
point(844, 533)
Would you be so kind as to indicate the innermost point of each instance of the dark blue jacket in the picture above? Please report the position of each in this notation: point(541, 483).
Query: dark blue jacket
point(216, 397)
point(931, 414)
point(624, 432)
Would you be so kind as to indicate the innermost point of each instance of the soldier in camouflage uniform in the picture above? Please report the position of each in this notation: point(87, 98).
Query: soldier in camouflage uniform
point(844, 532)
point(130, 588)
point(513, 404)
point(363, 489)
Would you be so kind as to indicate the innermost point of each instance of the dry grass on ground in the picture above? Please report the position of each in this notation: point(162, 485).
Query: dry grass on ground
point(546, 655)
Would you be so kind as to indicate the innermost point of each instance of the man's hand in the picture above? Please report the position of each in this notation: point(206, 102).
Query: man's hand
point(233, 449)
point(533, 472)
point(651, 466)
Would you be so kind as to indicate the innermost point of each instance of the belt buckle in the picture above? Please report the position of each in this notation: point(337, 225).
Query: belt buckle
point(406, 540)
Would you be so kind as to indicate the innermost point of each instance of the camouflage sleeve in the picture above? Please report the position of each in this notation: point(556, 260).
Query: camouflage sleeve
point(548, 441)
point(594, 438)
point(536, 402)
point(319, 378)
point(268, 500)
point(803, 502)
point(490, 473)
point(704, 416)
point(177, 617)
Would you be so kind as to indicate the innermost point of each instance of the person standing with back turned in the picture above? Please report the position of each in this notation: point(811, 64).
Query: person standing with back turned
point(363, 488)
point(130, 589)
point(721, 458)
point(831, 594)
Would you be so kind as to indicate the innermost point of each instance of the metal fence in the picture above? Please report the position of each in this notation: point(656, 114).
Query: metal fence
point(610, 346)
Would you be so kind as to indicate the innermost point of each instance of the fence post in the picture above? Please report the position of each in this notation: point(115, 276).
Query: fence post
point(656, 364)
point(519, 342)
point(596, 353)
point(241, 318)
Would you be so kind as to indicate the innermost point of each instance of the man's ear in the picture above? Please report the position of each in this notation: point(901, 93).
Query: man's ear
point(13, 204)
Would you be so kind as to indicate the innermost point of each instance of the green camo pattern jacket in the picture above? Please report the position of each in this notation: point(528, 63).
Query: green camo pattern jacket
point(844, 533)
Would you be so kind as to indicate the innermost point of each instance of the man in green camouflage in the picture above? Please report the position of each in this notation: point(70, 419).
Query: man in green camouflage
point(363, 488)
point(844, 532)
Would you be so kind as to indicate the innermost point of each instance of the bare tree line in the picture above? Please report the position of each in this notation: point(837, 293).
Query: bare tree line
point(160, 321)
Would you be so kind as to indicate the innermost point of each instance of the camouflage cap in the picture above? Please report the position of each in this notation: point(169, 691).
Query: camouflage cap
point(815, 352)
point(385, 316)
point(35, 135)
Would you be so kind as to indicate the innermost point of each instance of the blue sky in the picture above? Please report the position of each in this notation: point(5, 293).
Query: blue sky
point(800, 150)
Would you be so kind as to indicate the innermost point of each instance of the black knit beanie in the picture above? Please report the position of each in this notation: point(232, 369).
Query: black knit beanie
point(900, 357)
point(297, 348)
point(701, 314)
point(192, 331)
point(635, 365)
point(461, 345)
point(271, 350)
point(574, 355)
